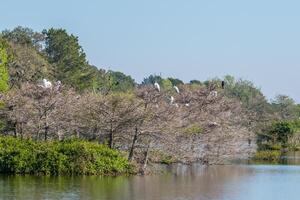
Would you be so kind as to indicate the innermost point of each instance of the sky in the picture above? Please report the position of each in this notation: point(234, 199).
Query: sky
point(257, 40)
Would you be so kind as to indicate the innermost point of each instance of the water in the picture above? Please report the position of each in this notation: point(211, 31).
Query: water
point(181, 182)
point(231, 182)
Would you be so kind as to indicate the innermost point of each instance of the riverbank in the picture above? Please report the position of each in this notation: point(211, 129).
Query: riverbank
point(70, 157)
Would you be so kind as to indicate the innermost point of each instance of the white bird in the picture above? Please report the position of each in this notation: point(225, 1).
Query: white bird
point(46, 83)
point(172, 100)
point(214, 93)
point(187, 104)
point(176, 88)
point(156, 85)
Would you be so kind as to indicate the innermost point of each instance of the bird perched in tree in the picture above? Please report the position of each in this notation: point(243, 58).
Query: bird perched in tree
point(156, 85)
point(172, 100)
point(176, 88)
point(214, 93)
point(46, 84)
point(223, 84)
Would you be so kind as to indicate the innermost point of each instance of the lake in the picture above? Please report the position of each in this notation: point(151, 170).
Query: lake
point(181, 182)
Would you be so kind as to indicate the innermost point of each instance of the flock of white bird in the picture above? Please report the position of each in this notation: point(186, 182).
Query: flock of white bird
point(213, 94)
point(172, 99)
point(46, 84)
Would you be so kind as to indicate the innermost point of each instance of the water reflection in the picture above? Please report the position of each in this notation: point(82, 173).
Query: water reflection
point(232, 182)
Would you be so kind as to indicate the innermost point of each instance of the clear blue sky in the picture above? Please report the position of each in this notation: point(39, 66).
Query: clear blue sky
point(257, 40)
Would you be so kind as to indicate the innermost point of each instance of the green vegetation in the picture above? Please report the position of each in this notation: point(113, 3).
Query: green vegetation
point(55, 158)
point(110, 107)
point(278, 137)
point(267, 155)
point(193, 129)
point(4, 77)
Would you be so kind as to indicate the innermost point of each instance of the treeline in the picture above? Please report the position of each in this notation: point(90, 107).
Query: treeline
point(85, 101)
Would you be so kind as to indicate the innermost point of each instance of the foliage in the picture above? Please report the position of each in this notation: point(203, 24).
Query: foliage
point(150, 80)
point(267, 155)
point(66, 157)
point(176, 81)
point(65, 53)
point(166, 84)
point(4, 77)
point(243, 90)
point(27, 65)
point(193, 129)
point(277, 132)
point(119, 82)
point(24, 36)
point(286, 107)
point(196, 82)
point(281, 130)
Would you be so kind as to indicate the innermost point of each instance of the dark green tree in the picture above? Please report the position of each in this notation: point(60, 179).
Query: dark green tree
point(277, 132)
point(120, 82)
point(176, 81)
point(196, 82)
point(152, 79)
point(65, 53)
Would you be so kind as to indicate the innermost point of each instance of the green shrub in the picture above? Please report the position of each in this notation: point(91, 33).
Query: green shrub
point(193, 129)
point(54, 158)
point(267, 155)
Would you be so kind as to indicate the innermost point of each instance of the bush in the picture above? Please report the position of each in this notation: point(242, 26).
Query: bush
point(277, 132)
point(193, 130)
point(267, 155)
point(56, 158)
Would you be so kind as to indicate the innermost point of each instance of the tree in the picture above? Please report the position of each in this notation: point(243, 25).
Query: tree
point(153, 122)
point(196, 82)
point(108, 115)
point(278, 131)
point(24, 36)
point(150, 80)
point(176, 81)
point(27, 65)
point(252, 99)
point(40, 113)
point(68, 57)
point(120, 82)
point(286, 107)
point(4, 76)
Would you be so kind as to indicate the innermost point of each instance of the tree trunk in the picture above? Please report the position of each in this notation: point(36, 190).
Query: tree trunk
point(15, 129)
point(130, 156)
point(46, 129)
point(146, 156)
point(111, 137)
